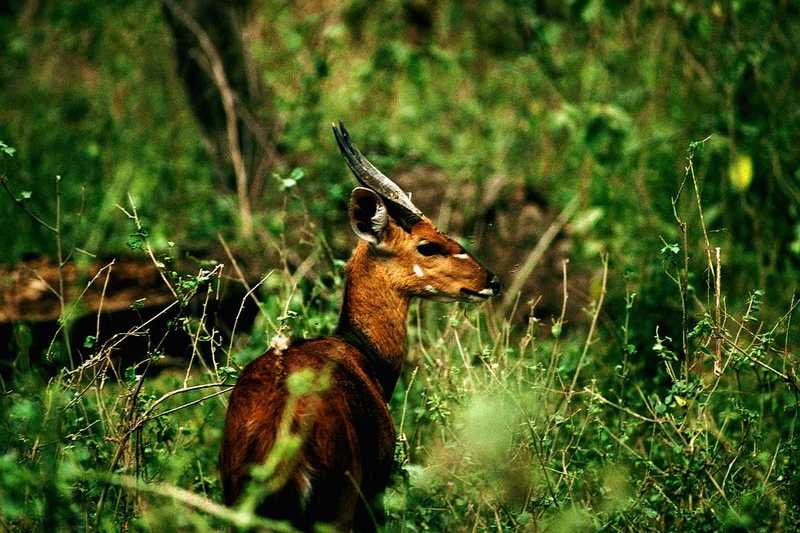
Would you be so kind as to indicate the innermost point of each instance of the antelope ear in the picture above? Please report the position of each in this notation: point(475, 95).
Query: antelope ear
point(368, 216)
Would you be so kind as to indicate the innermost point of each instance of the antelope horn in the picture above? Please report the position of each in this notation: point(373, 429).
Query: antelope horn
point(369, 176)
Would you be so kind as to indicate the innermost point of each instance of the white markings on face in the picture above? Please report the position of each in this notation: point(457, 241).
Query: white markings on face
point(418, 271)
point(461, 256)
point(486, 292)
point(430, 289)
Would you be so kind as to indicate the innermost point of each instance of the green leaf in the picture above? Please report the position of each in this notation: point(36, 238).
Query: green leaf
point(295, 176)
point(673, 249)
point(89, 341)
point(7, 150)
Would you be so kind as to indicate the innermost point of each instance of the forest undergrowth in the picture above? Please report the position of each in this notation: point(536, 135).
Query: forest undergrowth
point(504, 424)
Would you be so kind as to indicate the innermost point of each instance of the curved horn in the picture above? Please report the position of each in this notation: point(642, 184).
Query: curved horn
point(369, 176)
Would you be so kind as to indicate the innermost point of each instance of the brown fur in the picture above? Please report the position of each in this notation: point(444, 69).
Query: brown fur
point(346, 459)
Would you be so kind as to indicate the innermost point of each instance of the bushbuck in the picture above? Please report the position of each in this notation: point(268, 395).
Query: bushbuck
point(345, 460)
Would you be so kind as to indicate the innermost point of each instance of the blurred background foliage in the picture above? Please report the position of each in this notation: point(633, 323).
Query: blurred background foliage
point(594, 97)
point(497, 115)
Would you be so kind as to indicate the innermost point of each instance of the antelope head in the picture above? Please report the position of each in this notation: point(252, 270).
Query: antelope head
point(416, 258)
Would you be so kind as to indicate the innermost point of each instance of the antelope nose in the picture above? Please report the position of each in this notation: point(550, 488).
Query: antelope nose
point(494, 284)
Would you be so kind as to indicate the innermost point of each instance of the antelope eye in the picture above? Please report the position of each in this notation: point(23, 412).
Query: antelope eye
point(431, 248)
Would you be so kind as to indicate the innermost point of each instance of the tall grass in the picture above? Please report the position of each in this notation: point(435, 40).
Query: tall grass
point(502, 425)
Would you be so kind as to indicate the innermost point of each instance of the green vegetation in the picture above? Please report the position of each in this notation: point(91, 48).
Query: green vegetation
point(657, 140)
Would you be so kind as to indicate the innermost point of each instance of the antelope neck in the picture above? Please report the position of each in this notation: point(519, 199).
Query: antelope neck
point(373, 320)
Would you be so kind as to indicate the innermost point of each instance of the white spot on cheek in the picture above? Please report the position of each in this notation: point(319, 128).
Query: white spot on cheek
point(486, 292)
point(461, 256)
point(418, 271)
point(430, 289)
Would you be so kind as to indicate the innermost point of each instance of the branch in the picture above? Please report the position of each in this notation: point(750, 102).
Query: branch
point(21, 204)
point(228, 104)
point(536, 254)
point(238, 517)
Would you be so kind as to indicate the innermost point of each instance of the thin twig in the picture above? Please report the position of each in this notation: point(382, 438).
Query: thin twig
point(229, 107)
point(533, 258)
point(159, 266)
point(239, 313)
point(592, 327)
point(61, 263)
point(143, 421)
point(603, 399)
point(238, 517)
point(21, 205)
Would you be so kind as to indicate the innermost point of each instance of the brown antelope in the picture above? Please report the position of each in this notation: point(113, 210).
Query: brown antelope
point(346, 457)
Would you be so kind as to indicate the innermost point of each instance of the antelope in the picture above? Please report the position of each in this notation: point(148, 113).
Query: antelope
point(345, 460)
